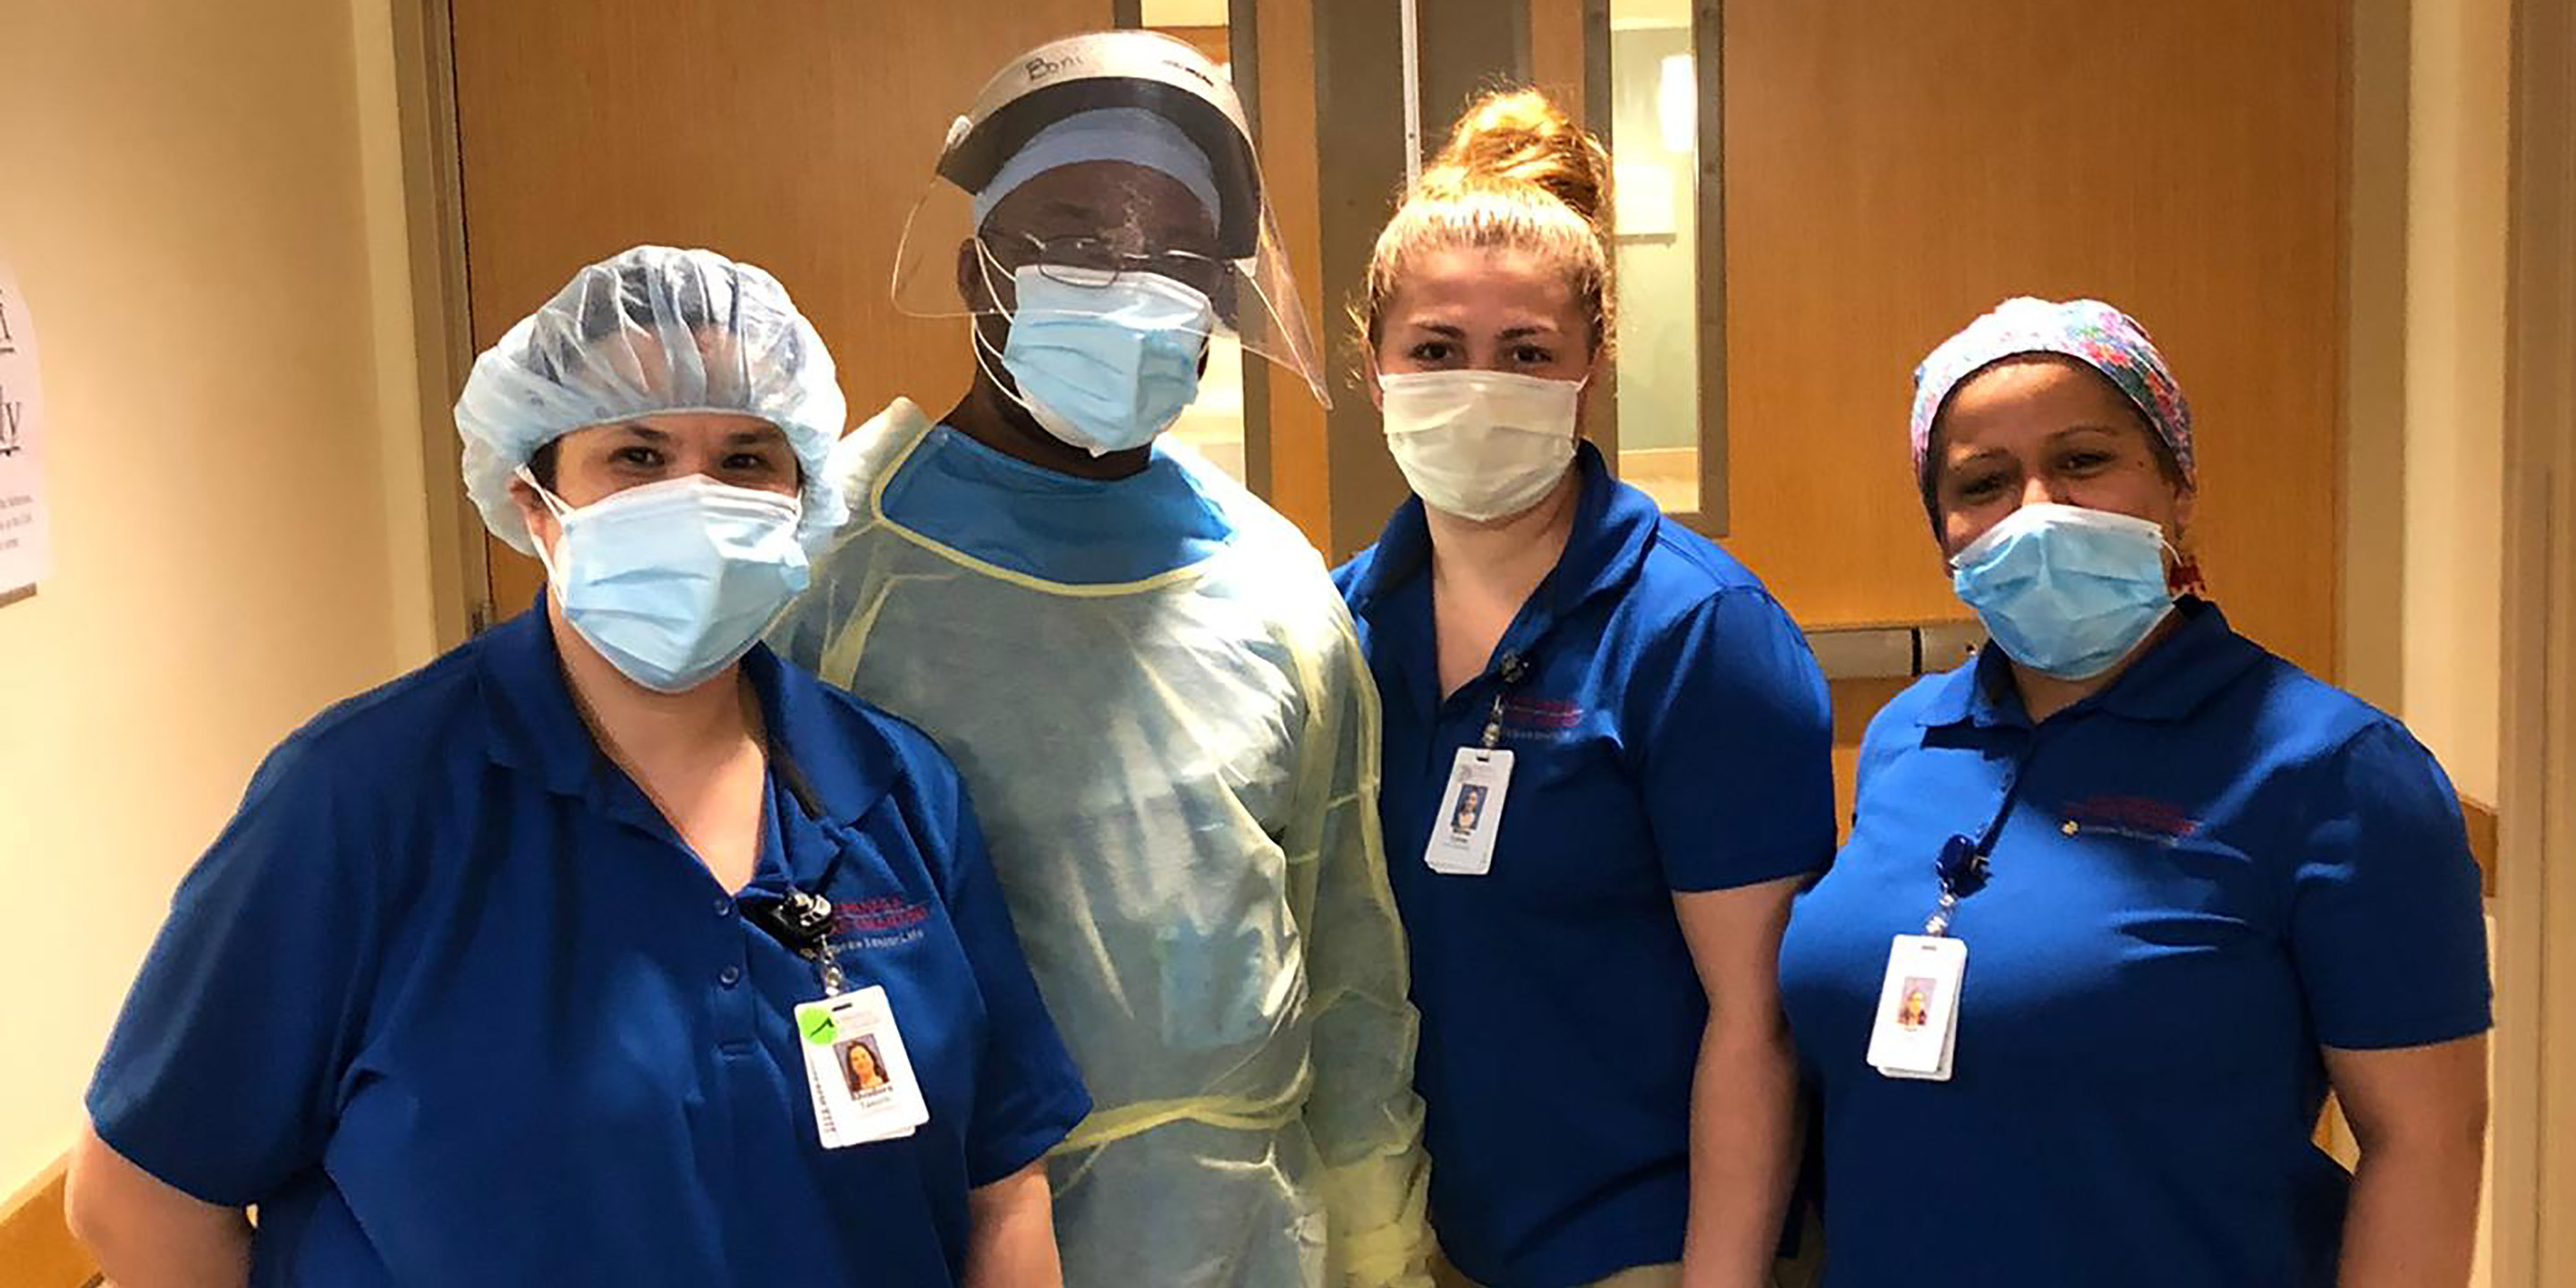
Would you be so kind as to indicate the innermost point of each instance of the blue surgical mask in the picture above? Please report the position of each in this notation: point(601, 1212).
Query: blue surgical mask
point(1105, 366)
point(2064, 590)
point(673, 581)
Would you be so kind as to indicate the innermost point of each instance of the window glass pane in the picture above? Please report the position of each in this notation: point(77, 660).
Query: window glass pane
point(1654, 127)
point(1213, 425)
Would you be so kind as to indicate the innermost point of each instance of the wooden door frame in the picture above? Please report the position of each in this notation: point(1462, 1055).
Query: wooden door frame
point(2535, 1062)
point(434, 231)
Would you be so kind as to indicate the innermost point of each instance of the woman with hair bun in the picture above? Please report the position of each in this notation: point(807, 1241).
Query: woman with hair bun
point(1606, 763)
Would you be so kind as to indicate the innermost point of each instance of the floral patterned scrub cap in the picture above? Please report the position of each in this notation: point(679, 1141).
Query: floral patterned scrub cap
point(2089, 331)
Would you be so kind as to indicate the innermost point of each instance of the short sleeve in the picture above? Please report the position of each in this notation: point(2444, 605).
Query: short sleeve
point(2387, 925)
point(221, 1076)
point(1028, 1095)
point(1738, 775)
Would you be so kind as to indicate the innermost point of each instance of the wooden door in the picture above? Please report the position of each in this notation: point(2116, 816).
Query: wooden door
point(1892, 170)
point(791, 133)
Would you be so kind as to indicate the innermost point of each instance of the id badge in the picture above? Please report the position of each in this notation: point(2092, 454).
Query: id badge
point(856, 1067)
point(1917, 1026)
point(1471, 812)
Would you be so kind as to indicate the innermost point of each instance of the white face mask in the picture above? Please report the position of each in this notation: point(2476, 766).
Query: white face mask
point(1482, 445)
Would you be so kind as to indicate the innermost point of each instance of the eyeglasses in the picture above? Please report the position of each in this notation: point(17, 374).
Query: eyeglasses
point(1083, 260)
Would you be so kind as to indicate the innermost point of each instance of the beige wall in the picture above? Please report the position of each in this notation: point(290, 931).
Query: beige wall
point(2425, 383)
point(185, 194)
point(2424, 554)
point(2454, 374)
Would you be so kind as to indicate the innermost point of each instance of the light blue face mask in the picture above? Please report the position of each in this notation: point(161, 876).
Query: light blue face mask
point(1106, 366)
point(2064, 590)
point(673, 581)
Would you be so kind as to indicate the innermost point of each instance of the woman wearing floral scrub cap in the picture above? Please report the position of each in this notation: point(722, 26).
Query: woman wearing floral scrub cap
point(2161, 891)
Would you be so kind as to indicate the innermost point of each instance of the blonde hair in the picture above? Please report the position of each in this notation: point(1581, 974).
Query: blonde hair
point(1517, 173)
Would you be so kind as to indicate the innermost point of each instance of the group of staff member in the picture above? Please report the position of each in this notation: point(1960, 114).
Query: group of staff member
point(616, 947)
point(2123, 899)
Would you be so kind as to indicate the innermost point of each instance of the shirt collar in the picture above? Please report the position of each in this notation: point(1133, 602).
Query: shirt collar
point(535, 729)
point(2170, 682)
point(845, 776)
point(1613, 527)
point(1959, 695)
point(822, 781)
point(528, 705)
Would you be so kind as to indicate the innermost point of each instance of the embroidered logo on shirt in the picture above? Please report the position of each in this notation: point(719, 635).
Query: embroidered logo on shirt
point(888, 921)
point(2138, 818)
point(1539, 719)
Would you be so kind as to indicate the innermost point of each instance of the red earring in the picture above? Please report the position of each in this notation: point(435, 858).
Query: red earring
point(2184, 578)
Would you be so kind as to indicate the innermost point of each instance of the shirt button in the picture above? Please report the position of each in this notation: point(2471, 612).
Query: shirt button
point(729, 976)
point(724, 906)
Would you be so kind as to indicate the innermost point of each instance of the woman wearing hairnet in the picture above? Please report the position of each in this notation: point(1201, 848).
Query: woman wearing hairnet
point(1147, 678)
point(541, 965)
point(2159, 891)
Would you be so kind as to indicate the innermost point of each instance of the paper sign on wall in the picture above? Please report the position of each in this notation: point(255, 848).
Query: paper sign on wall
point(26, 552)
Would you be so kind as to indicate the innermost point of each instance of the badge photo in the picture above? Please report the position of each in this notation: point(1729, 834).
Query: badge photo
point(1915, 1030)
point(857, 1069)
point(1471, 812)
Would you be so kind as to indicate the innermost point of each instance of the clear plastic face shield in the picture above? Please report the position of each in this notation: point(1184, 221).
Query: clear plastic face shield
point(1106, 176)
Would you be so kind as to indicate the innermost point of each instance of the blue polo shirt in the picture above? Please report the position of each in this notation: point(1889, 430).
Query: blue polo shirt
point(452, 1003)
point(1669, 733)
point(2200, 876)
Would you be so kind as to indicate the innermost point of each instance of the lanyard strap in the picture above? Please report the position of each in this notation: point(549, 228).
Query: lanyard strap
point(1962, 868)
point(802, 921)
point(1962, 865)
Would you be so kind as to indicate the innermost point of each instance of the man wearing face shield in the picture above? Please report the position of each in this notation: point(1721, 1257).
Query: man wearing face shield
point(1147, 680)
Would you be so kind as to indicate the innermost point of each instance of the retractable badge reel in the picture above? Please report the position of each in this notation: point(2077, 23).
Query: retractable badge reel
point(802, 922)
point(1916, 1029)
point(1471, 808)
point(856, 1067)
